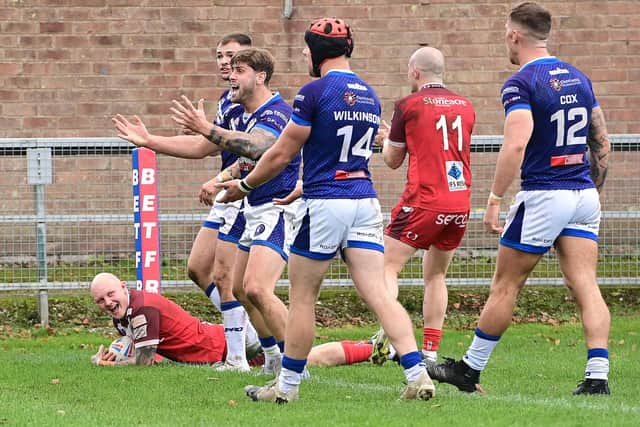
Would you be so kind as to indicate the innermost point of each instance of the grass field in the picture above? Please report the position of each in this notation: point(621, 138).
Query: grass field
point(48, 380)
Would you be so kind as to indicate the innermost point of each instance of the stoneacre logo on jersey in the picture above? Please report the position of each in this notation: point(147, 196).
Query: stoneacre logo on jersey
point(443, 102)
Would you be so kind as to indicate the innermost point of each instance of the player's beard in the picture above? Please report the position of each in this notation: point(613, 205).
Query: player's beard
point(242, 94)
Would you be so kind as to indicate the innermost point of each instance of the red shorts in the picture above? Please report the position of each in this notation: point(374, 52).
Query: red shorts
point(421, 228)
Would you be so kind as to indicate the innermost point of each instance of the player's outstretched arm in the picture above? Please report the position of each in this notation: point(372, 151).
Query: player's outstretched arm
point(251, 145)
point(184, 146)
point(599, 148)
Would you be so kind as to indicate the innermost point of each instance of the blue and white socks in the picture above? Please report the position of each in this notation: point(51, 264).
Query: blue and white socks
point(234, 319)
point(597, 364)
point(214, 295)
point(480, 350)
point(291, 373)
point(413, 365)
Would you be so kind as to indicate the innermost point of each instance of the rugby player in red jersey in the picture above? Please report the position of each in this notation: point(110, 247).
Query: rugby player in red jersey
point(432, 127)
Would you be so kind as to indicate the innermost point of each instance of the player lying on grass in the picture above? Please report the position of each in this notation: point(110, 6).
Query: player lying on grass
point(159, 326)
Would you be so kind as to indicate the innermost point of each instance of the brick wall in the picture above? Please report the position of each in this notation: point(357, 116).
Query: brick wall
point(67, 66)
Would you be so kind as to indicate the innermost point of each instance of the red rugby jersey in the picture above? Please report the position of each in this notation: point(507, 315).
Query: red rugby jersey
point(436, 125)
point(152, 319)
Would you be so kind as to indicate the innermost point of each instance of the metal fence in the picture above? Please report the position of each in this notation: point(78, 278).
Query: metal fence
point(61, 224)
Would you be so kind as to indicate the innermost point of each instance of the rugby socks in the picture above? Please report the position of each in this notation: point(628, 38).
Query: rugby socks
point(214, 295)
point(480, 350)
point(252, 335)
point(270, 347)
point(597, 364)
point(430, 342)
point(234, 318)
point(413, 365)
point(356, 351)
point(291, 373)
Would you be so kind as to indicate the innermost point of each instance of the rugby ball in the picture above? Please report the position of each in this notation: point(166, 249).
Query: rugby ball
point(122, 347)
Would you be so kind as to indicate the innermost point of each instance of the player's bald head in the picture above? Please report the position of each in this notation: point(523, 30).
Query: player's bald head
point(428, 60)
point(104, 279)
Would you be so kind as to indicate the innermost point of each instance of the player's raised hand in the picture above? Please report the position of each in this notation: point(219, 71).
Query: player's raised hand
point(208, 192)
point(383, 133)
point(134, 132)
point(233, 192)
point(190, 117)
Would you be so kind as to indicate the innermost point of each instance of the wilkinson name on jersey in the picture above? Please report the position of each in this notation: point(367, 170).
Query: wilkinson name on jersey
point(359, 116)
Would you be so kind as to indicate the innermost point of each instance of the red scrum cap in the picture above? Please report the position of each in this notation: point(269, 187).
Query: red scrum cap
point(328, 38)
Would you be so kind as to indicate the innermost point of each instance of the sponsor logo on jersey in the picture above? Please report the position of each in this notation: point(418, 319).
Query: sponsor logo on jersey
point(356, 86)
point(455, 176)
point(299, 98)
point(443, 102)
point(407, 209)
point(139, 333)
point(555, 84)
point(138, 321)
point(350, 98)
point(558, 70)
point(510, 89)
point(511, 100)
point(245, 164)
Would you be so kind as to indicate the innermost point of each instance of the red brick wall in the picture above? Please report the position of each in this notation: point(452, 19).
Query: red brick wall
point(67, 66)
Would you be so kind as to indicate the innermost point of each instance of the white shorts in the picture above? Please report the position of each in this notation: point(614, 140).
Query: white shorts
point(538, 218)
point(332, 224)
point(227, 218)
point(270, 225)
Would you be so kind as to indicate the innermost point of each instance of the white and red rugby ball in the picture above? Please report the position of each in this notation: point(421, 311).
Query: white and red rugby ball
point(122, 347)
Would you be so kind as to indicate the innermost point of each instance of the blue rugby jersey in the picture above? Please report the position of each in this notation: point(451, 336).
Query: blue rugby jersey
point(344, 114)
point(272, 116)
point(226, 107)
point(560, 98)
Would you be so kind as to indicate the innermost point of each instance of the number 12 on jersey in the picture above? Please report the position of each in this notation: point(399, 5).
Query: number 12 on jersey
point(456, 125)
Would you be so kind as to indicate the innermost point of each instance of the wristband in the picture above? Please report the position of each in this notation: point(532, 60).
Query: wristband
point(244, 187)
point(494, 198)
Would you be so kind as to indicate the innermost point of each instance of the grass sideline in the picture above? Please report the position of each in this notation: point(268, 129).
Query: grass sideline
point(48, 380)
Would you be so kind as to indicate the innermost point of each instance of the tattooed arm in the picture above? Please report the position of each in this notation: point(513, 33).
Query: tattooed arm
point(599, 148)
point(251, 145)
point(145, 355)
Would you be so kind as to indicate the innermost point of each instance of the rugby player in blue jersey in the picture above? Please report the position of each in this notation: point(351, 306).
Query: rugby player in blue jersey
point(555, 133)
point(214, 248)
point(263, 249)
point(335, 119)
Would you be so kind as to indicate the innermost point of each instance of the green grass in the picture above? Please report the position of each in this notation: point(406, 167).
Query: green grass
point(174, 269)
point(48, 380)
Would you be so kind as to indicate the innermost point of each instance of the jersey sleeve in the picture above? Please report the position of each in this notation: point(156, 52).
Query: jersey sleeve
point(145, 326)
point(397, 133)
point(272, 120)
point(515, 96)
point(304, 106)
